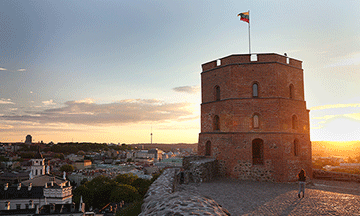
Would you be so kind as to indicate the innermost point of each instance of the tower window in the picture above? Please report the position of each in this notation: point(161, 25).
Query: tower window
point(217, 93)
point(255, 121)
point(258, 152)
point(296, 147)
point(216, 123)
point(292, 93)
point(294, 122)
point(208, 148)
point(255, 90)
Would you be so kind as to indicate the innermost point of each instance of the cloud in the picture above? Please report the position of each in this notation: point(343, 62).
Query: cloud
point(6, 101)
point(335, 106)
point(21, 70)
point(187, 89)
point(49, 103)
point(121, 112)
point(2, 69)
point(350, 59)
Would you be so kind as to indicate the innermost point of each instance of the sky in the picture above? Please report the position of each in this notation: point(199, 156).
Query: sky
point(116, 71)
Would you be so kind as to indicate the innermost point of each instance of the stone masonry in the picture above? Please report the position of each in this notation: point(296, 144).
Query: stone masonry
point(162, 199)
point(254, 119)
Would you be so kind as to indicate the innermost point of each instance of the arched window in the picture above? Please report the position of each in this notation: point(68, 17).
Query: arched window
point(217, 93)
point(296, 147)
point(216, 123)
point(256, 122)
point(208, 148)
point(292, 93)
point(294, 122)
point(255, 90)
point(258, 152)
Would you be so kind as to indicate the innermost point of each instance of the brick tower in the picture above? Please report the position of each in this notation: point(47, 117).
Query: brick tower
point(254, 119)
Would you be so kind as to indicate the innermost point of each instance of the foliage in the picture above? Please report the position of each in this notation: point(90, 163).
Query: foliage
point(127, 178)
point(74, 148)
point(131, 210)
point(2, 158)
point(102, 190)
point(142, 185)
point(67, 168)
point(123, 192)
point(84, 181)
point(28, 155)
point(60, 156)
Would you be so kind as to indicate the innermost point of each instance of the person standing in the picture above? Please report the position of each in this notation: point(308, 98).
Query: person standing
point(302, 179)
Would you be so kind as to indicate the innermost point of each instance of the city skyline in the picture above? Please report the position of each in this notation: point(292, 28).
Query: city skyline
point(109, 71)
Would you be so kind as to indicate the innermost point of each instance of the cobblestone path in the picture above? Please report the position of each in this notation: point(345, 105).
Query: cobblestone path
point(265, 198)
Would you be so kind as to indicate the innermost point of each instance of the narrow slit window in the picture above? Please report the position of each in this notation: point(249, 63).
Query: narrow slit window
point(255, 90)
point(255, 121)
point(217, 93)
point(292, 93)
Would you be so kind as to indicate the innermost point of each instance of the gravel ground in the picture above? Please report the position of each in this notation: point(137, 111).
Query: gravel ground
point(266, 198)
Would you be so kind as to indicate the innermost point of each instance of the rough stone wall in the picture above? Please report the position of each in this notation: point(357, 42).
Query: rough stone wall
point(234, 156)
point(161, 199)
point(200, 168)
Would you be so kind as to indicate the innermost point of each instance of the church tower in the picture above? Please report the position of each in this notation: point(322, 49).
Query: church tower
point(38, 165)
point(254, 119)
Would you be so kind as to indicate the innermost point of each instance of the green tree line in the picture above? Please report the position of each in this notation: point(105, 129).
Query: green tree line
point(103, 190)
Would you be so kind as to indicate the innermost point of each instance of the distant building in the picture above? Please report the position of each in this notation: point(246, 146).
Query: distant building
point(41, 188)
point(28, 139)
point(84, 164)
point(13, 178)
point(74, 157)
point(38, 165)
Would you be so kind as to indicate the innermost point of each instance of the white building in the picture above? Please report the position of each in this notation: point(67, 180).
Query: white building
point(39, 190)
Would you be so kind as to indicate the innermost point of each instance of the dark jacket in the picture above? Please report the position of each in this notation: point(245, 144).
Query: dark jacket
point(302, 177)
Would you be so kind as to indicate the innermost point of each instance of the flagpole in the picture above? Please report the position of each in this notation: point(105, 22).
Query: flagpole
point(249, 35)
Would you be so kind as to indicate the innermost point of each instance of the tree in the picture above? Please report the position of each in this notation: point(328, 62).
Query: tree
point(83, 181)
point(127, 178)
point(123, 192)
point(142, 185)
point(67, 168)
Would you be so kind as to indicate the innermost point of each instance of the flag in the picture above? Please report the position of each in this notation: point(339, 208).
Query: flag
point(244, 16)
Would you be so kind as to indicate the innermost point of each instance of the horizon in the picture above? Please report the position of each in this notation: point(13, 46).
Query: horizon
point(114, 71)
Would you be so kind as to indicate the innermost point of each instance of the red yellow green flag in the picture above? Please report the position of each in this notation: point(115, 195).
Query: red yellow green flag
point(244, 16)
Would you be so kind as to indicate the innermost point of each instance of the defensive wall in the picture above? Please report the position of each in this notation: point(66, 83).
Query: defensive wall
point(336, 176)
point(165, 197)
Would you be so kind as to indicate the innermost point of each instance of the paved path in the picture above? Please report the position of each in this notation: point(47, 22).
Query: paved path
point(265, 198)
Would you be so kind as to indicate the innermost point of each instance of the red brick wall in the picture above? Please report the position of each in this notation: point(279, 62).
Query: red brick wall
point(232, 144)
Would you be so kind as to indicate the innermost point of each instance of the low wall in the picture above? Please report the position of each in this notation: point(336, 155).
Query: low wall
point(200, 168)
point(163, 199)
point(338, 176)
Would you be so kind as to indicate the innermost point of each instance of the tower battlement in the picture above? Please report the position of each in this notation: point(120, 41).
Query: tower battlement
point(251, 58)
